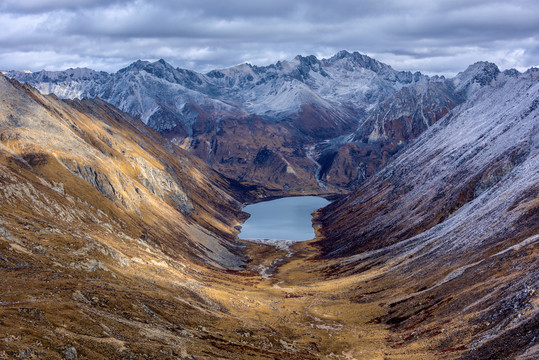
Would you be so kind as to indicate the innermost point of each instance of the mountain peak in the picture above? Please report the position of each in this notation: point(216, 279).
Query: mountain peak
point(342, 54)
point(162, 62)
point(309, 59)
point(481, 73)
point(482, 66)
point(345, 54)
point(137, 65)
point(364, 61)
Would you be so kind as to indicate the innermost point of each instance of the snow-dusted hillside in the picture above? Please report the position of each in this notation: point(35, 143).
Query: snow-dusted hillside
point(461, 158)
point(451, 227)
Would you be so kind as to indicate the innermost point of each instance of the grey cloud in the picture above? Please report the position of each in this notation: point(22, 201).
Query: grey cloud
point(43, 6)
point(434, 37)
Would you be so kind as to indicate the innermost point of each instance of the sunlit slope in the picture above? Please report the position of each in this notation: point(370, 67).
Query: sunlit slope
point(104, 233)
point(91, 153)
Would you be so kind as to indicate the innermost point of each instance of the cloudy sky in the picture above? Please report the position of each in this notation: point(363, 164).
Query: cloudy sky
point(432, 36)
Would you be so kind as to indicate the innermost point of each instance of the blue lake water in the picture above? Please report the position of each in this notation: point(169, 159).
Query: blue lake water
point(282, 219)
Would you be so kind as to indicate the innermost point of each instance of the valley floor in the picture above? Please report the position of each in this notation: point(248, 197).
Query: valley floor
point(287, 304)
point(296, 311)
point(281, 307)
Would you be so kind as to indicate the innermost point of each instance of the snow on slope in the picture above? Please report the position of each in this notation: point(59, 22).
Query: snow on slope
point(450, 228)
point(345, 84)
point(458, 161)
point(68, 84)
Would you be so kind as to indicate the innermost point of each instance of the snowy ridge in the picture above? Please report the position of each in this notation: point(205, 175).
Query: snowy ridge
point(490, 142)
point(346, 85)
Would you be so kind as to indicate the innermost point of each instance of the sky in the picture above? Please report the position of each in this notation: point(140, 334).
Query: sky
point(432, 36)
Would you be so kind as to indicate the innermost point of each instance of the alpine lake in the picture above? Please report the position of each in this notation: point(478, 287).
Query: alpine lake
point(282, 219)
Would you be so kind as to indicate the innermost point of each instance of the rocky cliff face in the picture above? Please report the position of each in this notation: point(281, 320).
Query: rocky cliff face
point(448, 230)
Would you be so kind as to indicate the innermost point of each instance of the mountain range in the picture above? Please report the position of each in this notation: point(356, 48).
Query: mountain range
point(121, 198)
point(301, 125)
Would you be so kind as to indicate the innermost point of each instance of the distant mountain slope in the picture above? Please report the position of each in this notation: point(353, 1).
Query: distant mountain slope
point(304, 125)
point(395, 120)
point(278, 110)
point(450, 227)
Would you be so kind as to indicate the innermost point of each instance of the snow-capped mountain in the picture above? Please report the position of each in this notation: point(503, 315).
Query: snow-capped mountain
point(311, 115)
point(68, 84)
point(398, 118)
point(345, 85)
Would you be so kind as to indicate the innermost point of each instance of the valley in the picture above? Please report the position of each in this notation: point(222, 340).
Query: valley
point(119, 226)
point(242, 315)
